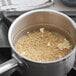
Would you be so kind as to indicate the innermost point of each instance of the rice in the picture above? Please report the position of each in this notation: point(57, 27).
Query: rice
point(43, 45)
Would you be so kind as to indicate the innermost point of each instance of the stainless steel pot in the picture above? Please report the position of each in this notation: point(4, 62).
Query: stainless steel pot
point(37, 18)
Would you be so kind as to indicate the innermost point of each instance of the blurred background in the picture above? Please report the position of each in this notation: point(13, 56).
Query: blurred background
point(20, 5)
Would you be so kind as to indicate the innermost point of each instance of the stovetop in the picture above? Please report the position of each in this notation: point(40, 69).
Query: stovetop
point(6, 18)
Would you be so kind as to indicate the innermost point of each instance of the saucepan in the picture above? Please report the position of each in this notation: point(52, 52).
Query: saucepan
point(58, 67)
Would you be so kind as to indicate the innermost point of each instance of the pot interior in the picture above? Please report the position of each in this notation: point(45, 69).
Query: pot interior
point(49, 20)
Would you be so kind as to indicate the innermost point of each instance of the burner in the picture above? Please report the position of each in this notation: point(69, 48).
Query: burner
point(6, 18)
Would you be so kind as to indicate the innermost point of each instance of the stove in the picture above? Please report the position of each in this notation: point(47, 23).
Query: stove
point(6, 18)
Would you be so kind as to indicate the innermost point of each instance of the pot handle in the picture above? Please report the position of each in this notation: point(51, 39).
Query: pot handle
point(9, 65)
